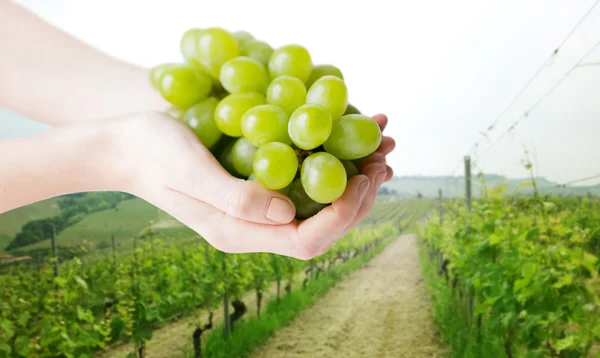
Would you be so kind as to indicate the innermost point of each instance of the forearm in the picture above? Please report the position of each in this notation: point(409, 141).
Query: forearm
point(49, 76)
point(63, 160)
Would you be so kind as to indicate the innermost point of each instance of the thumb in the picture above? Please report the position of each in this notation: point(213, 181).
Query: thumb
point(241, 199)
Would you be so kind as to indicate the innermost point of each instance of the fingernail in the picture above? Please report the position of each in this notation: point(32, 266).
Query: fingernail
point(280, 211)
point(362, 189)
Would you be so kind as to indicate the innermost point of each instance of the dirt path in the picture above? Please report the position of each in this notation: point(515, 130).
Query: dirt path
point(382, 310)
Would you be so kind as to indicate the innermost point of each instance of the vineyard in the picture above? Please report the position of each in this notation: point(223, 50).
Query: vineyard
point(80, 307)
point(516, 276)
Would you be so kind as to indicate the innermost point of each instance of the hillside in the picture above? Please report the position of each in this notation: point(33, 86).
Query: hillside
point(409, 186)
point(12, 221)
point(128, 219)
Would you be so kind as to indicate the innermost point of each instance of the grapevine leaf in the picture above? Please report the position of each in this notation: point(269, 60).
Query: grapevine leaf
point(81, 282)
point(5, 348)
point(565, 280)
point(564, 343)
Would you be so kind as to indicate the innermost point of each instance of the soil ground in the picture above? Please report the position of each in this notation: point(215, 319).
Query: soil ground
point(382, 310)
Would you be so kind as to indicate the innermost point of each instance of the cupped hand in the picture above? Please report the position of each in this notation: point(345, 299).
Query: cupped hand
point(169, 167)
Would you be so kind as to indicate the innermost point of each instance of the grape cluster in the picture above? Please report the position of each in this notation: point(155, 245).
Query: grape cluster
point(269, 115)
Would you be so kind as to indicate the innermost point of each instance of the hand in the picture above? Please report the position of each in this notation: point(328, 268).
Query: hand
point(171, 169)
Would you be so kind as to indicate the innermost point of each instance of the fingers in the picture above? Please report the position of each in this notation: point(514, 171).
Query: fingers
point(204, 179)
point(224, 232)
point(382, 120)
point(330, 224)
point(390, 174)
point(387, 145)
point(377, 172)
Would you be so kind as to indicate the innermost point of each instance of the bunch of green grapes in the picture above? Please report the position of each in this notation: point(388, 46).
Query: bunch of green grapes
point(269, 115)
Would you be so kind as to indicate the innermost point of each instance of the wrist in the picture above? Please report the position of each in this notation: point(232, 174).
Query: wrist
point(79, 158)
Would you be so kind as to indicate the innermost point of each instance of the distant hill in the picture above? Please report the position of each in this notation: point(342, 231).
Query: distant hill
point(428, 186)
point(12, 221)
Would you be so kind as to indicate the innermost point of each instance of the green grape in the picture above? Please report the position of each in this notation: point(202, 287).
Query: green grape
point(201, 119)
point(258, 50)
point(230, 110)
point(330, 93)
point(220, 145)
point(183, 86)
point(351, 110)
point(244, 74)
point(175, 112)
point(275, 165)
point(323, 70)
point(286, 92)
point(215, 46)
point(292, 60)
point(284, 191)
point(158, 71)
point(353, 136)
point(323, 177)
point(305, 206)
point(226, 159)
point(350, 167)
point(242, 38)
point(189, 45)
point(264, 124)
point(309, 126)
point(242, 156)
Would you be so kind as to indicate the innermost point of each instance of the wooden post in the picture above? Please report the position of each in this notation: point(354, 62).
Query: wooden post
point(440, 206)
point(54, 250)
point(227, 328)
point(468, 181)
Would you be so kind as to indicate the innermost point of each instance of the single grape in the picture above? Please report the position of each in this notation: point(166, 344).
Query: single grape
point(215, 46)
point(226, 159)
point(258, 50)
point(158, 71)
point(275, 165)
point(264, 124)
point(229, 112)
point(201, 119)
point(242, 38)
point(189, 45)
point(244, 74)
point(284, 191)
point(350, 167)
point(330, 93)
point(286, 92)
point(323, 177)
point(242, 156)
point(176, 112)
point(183, 85)
point(309, 126)
point(323, 70)
point(305, 206)
point(353, 136)
point(292, 60)
point(351, 110)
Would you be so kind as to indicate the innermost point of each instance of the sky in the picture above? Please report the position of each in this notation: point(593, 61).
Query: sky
point(441, 70)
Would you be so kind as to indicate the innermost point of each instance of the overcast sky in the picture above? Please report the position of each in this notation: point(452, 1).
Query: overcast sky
point(441, 70)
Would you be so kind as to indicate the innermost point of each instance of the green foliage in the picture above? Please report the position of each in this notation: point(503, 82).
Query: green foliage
point(530, 269)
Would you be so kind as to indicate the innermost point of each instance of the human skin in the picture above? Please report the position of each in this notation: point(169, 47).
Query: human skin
point(109, 135)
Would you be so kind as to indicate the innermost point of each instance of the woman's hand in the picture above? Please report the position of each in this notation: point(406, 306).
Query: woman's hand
point(171, 169)
point(160, 160)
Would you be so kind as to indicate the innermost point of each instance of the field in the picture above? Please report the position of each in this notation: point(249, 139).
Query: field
point(505, 277)
point(133, 294)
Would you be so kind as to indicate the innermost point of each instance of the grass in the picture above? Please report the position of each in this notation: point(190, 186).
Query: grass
point(129, 219)
point(458, 331)
point(12, 221)
point(251, 333)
